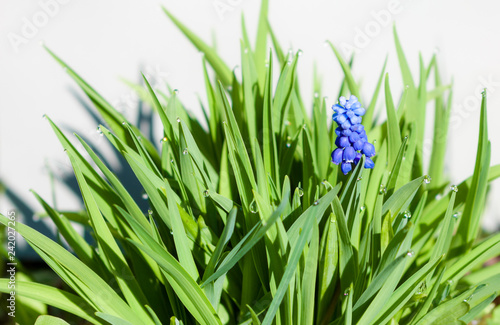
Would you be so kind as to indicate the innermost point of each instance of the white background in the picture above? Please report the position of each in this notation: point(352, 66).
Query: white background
point(108, 40)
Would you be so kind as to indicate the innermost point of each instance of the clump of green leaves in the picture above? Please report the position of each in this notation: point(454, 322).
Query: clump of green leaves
point(250, 222)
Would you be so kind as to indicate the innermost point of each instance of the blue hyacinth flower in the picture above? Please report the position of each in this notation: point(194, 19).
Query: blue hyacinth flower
point(348, 112)
point(352, 141)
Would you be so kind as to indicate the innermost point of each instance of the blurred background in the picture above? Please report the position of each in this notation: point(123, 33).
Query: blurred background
point(107, 42)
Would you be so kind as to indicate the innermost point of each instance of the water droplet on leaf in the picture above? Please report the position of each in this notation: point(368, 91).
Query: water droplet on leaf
point(253, 207)
point(454, 188)
point(301, 191)
point(206, 193)
point(427, 179)
point(185, 151)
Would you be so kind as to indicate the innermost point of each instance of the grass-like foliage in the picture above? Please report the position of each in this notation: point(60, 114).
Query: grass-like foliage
point(251, 223)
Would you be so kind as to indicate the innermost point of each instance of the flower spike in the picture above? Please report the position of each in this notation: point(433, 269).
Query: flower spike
point(352, 141)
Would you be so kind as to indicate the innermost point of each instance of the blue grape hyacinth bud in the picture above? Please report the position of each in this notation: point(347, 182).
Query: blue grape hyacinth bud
point(346, 167)
point(352, 141)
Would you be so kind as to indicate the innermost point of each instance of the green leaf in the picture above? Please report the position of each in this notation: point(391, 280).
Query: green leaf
point(81, 248)
point(369, 302)
point(441, 123)
point(248, 241)
point(393, 132)
point(478, 255)
point(404, 292)
point(180, 238)
point(309, 280)
point(444, 239)
point(317, 209)
point(255, 318)
point(403, 63)
point(448, 312)
point(113, 320)
point(291, 267)
point(182, 283)
point(250, 92)
point(328, 266)
point(423, 308)
point(52, 296)
point(222, 70)
point(474, 312)
point(126, 198)
point(368, 118)
point(113, 118)
point(277, 47)
point(269, 140)
point(261, 43)
point(102, 294)
point(238, 154)
point(402, 197)
point(215, 290)
point(50, 320)
point(474, 205)
point(110, 249)
point(436, 208)
point(353, 87)
point(347, 266)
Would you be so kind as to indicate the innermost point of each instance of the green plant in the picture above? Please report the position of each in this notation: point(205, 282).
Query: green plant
point(251, 223)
